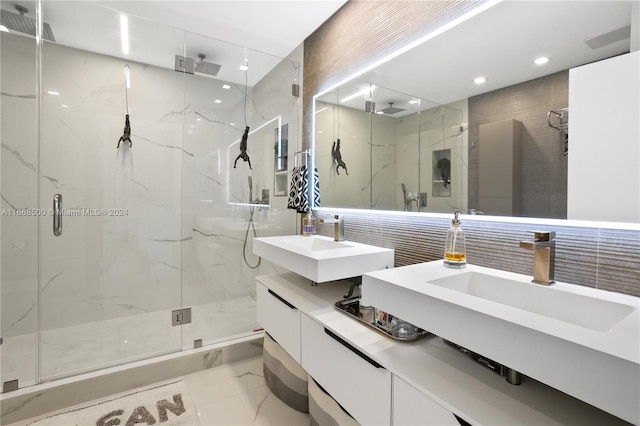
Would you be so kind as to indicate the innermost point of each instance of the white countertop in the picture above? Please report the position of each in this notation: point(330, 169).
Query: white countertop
point(622, 340)
point(320, 258)
point(466, 388)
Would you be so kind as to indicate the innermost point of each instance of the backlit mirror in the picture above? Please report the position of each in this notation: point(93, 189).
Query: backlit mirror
point(399, 120)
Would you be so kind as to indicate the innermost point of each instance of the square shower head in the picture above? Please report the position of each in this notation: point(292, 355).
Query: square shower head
point(24, 24)
point(390, 110)
point(209, 68)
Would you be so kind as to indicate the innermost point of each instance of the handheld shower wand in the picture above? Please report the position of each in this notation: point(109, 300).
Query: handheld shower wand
point(250, 225)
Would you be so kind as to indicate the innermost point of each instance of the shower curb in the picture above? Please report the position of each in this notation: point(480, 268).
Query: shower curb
point(58, 394)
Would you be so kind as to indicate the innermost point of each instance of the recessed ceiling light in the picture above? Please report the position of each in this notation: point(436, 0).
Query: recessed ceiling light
point(64, 106)
point(413, 102)
point(244, 66)
point(218, 101)
point(53, 93)
point(541, 60)
point(226, 86)
point(479, 80)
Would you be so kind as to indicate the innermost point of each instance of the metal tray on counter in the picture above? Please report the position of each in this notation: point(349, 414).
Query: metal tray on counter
point(393, 327)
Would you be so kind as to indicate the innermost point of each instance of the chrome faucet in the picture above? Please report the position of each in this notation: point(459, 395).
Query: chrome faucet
point(544, 253)
point(338, 226)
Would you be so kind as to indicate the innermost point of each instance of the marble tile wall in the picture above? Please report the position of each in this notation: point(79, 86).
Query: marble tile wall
point(171, 236)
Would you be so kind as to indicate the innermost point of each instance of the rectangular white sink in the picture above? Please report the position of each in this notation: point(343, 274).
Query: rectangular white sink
point(321, 259)
point(584, 311)
point(580, 340)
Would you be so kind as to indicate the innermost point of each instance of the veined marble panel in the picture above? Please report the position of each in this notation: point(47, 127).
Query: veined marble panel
point(146, 250)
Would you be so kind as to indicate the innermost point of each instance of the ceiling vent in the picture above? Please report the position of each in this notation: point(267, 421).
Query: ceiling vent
point(609, 38)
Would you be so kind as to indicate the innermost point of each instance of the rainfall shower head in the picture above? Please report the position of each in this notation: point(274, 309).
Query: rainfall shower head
point(204, 67)
point(250, 189)
point(23, 24)
point(391, 109)
point(200, 66)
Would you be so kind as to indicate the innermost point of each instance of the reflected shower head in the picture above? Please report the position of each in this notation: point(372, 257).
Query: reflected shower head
point(390, 110)
point(23, 24)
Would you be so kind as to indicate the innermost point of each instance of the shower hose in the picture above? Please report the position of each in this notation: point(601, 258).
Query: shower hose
point(246, 237)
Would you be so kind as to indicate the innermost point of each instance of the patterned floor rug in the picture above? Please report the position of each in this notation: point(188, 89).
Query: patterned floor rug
point(166, 404)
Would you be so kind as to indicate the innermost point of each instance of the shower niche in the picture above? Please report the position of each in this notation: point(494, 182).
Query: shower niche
point(441, 173)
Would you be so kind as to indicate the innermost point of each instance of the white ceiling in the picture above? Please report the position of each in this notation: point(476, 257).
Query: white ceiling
point(499, 44)
point(264, 31)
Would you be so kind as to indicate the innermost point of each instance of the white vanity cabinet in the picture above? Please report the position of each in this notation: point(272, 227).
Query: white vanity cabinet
point(412, 407)
point(359, 384)
point(280, 318)
point(380, 381)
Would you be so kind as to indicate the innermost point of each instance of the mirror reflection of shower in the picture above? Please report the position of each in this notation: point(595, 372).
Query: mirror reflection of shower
point(559, 119)
point(420, 199)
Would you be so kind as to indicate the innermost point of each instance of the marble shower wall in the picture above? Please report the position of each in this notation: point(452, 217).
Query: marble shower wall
point(138, 235)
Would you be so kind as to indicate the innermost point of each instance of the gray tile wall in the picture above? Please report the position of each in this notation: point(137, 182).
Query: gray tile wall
point(607, 259)
point(544, 167)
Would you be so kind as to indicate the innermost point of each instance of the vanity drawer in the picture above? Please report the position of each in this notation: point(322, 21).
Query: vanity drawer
point(359, 384)
point(412, 407)
point(280, 319)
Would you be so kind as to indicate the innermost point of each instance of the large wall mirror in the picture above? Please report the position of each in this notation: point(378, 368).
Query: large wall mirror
point(417, 133)
point(397, 150)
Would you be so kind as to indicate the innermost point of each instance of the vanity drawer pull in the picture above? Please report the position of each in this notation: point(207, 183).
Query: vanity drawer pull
point(351, 348)
point(271, 292)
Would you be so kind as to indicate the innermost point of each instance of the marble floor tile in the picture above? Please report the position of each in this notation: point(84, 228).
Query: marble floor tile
point(266, 409)
point(233, 394)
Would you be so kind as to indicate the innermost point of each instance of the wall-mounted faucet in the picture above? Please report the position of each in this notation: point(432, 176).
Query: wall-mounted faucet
point(544, 254)
point(338, 226)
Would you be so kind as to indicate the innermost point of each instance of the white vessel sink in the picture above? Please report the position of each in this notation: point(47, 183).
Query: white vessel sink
point(580, 340)
point(321, 259)
point(584, 311)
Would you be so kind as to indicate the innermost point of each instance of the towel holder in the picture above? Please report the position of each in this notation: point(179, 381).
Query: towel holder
point(305, 153)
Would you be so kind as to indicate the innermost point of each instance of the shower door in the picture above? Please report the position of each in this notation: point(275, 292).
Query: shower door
point(110, 265)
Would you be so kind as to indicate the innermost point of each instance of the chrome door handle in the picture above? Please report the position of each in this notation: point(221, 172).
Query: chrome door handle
point(57, 215)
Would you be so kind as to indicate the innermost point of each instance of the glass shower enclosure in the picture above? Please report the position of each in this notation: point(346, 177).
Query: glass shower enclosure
point(126, 230)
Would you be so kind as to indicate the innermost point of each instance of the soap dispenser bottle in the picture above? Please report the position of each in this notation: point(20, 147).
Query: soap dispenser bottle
point(309, 225)
point(455, 251)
